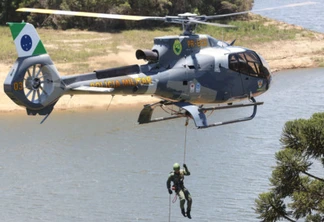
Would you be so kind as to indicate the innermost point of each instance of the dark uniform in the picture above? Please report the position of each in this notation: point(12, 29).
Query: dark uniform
point(177, 177)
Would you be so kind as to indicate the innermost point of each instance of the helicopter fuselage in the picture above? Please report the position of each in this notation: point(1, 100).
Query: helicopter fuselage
point(194, 68)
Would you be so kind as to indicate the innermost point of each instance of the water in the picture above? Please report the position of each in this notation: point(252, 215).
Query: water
point(102, 166)
point(309, 16)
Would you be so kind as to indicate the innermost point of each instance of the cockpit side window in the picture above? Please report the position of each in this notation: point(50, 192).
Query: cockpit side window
point(234, 63)
point(247, 63)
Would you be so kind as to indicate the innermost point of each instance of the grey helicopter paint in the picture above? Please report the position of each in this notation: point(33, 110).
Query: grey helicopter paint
point(189, 71)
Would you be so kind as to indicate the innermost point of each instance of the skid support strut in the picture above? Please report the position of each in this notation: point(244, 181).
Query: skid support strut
point(253, 103)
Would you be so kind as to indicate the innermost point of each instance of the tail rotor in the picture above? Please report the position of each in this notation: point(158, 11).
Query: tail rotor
point(36, 84)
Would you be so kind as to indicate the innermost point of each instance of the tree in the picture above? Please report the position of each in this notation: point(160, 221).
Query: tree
point(296, 192)
point(210, 7)
point(7, 11)
point(129, 7)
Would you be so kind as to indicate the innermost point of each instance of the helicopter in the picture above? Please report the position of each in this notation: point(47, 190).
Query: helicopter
point(187, 71)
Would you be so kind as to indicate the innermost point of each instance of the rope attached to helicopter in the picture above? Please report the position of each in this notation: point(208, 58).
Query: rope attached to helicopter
point(185, 140)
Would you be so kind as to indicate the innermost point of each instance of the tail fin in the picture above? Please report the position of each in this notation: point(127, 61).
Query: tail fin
point(26, 39)
point(33, 81)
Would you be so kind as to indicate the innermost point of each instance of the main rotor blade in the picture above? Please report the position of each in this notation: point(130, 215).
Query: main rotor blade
point(213, 24)
point(260, 10)
point(90, 14)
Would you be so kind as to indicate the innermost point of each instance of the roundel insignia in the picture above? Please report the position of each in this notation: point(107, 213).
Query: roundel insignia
point(177, 47)
point(26, 43)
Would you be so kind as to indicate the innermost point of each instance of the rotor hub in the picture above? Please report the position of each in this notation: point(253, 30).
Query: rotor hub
point(32, 83)
point(36, 83)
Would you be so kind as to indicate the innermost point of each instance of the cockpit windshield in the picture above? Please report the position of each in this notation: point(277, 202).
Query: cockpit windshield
point(248, 63)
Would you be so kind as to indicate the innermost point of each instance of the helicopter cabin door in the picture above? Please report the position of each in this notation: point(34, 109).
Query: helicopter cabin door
point(201, 79)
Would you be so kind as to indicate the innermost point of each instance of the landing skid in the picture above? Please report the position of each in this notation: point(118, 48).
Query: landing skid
point(146, 113)
point(197, 113)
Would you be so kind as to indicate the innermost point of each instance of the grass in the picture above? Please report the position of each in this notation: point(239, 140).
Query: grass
point(320, 59)
point(81, 45)
point(257, 30)
point(8, 51)
point(320, 62)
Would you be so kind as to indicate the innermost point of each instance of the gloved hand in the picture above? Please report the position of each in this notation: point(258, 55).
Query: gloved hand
point(170, 191)
point(185, 166)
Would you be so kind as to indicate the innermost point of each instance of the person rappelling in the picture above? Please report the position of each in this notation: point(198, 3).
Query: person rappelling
point(177, 177)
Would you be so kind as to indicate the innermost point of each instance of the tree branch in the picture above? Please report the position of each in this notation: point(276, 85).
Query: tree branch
point(282, 214)
point(312, 176)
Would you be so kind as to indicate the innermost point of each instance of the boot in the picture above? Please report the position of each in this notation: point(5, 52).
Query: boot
point(188, 214)
point(183, 212)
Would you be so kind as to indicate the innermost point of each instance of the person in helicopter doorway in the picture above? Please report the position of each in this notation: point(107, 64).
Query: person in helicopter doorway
point(177, 176)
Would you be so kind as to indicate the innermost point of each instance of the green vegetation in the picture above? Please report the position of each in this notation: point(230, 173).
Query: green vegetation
point(320, 60)
point(255, 30)
point(127, 7)
point(297, 190)
point(8, 51)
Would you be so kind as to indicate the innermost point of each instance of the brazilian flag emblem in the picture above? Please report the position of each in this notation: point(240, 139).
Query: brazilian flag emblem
point(177, 47)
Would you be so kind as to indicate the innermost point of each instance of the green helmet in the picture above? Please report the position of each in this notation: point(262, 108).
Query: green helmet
point(176, 166)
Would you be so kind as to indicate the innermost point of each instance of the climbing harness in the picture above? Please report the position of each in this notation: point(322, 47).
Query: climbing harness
point(175, 198)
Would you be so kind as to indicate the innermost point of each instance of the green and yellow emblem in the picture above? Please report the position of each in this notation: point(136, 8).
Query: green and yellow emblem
point(177, 47)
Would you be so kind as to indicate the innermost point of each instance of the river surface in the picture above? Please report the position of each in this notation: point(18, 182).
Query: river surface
point(102, 166)
point(309, 16)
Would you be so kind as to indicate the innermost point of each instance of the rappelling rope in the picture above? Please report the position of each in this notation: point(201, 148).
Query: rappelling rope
point(170, 208)
point(185, 140)
point(173, 201)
